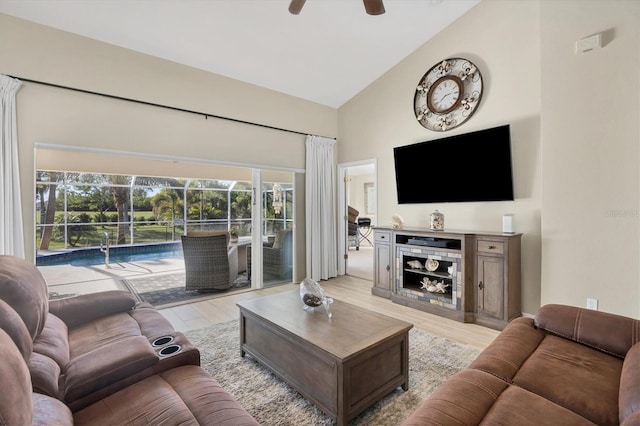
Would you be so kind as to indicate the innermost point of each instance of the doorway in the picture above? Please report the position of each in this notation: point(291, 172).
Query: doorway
point(358, 207)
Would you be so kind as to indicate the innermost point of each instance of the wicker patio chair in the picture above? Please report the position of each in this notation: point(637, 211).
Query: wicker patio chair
point(206, 262)
point(277, 259)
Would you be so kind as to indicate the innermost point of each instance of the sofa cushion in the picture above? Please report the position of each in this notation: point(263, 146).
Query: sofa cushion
point(97, 369)
point(575, 376)
point(184, 395)
point(53, 341)
point(45, 375)
point(517, 406)
point(473, 397)
point(629, 397)
point(279, 240)
point(23, 287)
point(610, 333)
point(101, 333)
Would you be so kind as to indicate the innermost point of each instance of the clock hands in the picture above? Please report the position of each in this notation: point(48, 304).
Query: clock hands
point(442, 98)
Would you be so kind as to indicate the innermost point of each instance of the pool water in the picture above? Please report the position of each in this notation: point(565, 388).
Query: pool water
point(93, 256)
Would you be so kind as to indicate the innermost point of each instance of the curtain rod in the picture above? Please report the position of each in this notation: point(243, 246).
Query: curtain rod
point(121, 98)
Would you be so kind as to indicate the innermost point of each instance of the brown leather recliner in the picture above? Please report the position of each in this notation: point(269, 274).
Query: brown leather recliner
point(89, 346)
point(181, 395)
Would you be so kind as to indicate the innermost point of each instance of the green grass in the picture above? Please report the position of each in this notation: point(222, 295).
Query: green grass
point(142, 234)
point(138, 215)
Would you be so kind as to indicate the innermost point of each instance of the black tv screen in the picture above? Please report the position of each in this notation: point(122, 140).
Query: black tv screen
point(473, 166)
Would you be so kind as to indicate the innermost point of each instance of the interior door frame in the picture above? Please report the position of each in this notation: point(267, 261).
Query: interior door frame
point(342, 207)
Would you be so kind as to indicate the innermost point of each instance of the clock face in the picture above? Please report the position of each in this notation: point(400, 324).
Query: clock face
point(448, 94)
point(445, 94)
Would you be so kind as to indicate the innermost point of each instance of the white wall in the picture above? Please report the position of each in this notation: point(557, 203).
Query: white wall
point(575, 140)
point(502, 39)
point(48, 115)
point(591, 155)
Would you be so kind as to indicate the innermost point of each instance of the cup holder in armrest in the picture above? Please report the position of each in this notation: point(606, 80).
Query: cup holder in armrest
point(162, 341)
point(170, 350)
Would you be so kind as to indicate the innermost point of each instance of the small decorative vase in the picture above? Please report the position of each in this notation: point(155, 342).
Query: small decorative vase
point(313, 296)
point(436, 221)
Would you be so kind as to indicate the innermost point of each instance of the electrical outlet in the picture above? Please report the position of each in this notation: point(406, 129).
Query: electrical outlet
point(592, 304)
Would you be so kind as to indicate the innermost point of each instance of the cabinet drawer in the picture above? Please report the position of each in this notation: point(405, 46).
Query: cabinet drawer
point(382, 237)
point(486, 246)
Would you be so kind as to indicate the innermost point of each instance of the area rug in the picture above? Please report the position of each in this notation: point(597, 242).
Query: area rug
point(432, 359)
point(167, 289)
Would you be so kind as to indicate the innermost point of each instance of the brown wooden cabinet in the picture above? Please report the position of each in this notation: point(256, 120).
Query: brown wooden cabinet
point(481, 273)
point(383, 257)
point(497, 280)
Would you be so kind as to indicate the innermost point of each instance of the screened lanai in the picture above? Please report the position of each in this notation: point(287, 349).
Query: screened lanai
point(83, 200)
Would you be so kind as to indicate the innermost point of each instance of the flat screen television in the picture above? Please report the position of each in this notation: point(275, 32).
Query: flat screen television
point(473, 166)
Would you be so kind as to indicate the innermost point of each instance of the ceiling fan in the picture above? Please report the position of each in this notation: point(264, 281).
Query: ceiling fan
point(373, 7)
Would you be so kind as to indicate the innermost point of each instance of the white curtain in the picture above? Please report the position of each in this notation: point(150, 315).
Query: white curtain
point(320, 195)
point(11, 229)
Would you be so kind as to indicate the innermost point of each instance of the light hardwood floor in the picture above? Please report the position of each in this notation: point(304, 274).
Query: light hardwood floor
point(346, 288)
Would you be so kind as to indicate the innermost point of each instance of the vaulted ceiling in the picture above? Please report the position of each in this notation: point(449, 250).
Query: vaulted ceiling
point(326, 54)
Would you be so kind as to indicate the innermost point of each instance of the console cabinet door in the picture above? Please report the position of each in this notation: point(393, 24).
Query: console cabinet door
point(490, 286)
point(383, 266)
point(382, 270)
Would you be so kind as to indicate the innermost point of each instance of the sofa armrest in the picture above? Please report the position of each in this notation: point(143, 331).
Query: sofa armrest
point(48, 411)
point(629, 396)
point(609, 333)
point(81, 309)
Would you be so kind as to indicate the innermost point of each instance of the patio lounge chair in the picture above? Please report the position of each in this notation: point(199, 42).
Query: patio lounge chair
point(206, 262)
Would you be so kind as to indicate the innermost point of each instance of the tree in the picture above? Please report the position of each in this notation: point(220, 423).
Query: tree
point(78, 228)
point(120, 197)
point(49, 210)
point(121, 190)
point(167, 205)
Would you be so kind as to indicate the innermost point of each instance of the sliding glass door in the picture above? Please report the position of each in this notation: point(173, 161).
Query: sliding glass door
point(81, 210)
point(273, 218)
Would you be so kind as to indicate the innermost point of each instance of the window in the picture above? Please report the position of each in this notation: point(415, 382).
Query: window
point(76, 209)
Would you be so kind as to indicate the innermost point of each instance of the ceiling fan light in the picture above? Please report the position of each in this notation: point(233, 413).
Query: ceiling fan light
point(374, 7)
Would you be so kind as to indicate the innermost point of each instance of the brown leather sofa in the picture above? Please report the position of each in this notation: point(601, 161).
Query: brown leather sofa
point(98, 359)
point(568, 366)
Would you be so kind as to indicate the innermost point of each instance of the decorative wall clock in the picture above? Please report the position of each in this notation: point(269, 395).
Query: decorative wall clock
point(448, 94)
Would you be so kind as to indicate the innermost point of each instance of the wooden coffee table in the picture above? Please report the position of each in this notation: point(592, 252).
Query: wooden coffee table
point(342, 364)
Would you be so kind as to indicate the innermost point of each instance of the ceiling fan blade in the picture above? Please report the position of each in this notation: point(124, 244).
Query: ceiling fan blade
point(374, 7)
point(296, 6)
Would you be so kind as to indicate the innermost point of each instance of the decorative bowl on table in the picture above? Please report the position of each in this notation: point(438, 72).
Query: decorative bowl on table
point(313, 296)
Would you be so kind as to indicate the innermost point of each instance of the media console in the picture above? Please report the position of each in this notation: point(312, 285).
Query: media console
point(465, 276)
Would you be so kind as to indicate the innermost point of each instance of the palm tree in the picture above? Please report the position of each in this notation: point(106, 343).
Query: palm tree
point(166, 205)
point(121, 190)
